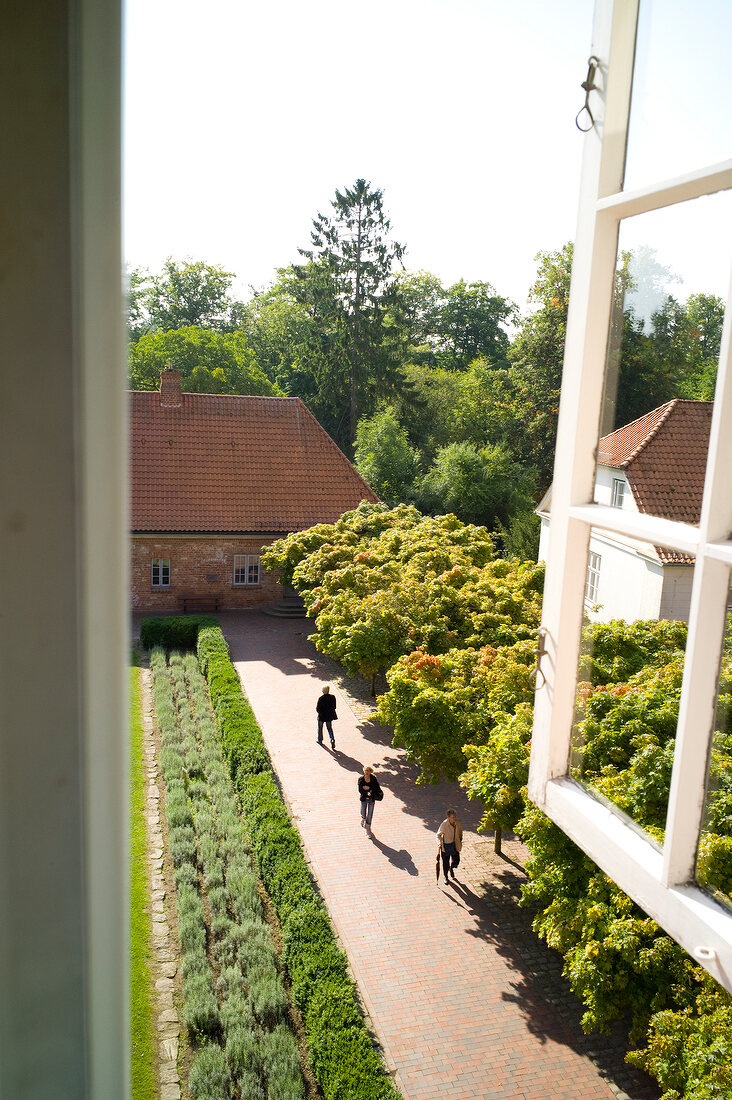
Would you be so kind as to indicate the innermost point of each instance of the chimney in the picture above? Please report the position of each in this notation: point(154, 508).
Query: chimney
point(170, 392)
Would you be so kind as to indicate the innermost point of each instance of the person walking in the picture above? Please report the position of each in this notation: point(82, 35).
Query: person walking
point(326, 709)
point(450, 838)
point(369, 791)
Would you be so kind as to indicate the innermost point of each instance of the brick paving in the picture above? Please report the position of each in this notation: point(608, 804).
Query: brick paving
point(462, 997)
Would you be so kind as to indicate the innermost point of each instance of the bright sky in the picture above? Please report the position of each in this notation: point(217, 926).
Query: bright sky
point(243, 118)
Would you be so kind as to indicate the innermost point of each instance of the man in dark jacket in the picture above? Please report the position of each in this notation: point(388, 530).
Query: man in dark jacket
point(326, 708)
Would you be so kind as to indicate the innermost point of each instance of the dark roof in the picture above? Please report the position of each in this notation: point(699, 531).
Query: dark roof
point(214, 463)
point(664, 456)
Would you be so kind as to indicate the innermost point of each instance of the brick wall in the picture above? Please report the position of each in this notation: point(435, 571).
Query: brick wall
point(200, 567)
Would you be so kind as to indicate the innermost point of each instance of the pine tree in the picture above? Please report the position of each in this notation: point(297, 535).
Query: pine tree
point(347, 285)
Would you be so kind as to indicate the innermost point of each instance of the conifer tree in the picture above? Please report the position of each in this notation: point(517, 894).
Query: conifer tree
point(347, 285)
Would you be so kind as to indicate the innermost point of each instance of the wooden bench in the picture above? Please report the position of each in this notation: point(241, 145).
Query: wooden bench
point(199, 603)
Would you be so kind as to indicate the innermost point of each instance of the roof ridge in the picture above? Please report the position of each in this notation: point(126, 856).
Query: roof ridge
point(669, 406)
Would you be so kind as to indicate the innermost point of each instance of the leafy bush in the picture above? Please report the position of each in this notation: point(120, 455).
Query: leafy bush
point(174, 631)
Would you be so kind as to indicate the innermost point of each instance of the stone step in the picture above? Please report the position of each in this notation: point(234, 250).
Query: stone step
point(290, 607)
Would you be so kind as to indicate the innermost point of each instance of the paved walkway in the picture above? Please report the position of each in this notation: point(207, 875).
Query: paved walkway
point(463, 998)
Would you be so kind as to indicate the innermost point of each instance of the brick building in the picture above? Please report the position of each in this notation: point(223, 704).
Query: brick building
point(216, 478)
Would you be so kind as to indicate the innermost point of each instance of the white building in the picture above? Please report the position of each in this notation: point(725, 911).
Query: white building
point(654, 465)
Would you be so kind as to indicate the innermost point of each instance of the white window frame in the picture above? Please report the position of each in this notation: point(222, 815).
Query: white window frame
point(159, 566)
point(616, 501)
point(592, 582)
point(251, 570)
point(662, 882)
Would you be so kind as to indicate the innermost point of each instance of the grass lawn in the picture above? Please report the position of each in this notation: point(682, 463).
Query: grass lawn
point(143, 1042)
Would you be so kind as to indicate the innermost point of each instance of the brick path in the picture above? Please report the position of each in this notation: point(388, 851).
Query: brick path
point(463, 998)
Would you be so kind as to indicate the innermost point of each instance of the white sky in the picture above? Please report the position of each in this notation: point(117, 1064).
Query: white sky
point(243, 118)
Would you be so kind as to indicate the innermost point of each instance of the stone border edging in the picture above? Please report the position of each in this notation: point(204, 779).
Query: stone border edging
point(167, 1022)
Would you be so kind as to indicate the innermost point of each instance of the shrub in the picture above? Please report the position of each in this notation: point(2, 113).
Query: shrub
point(236, 1011)
point(281, 1065)
point(200, 1009)
point(267, 995)
point(241, 1051)
point(210, 1078)
point(174, 632)
point(182, 843)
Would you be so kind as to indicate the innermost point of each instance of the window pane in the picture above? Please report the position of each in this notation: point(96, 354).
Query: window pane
point(629, 680)
point(663, 347)
point(682, 88)
point(714, 863)
point(240, 565)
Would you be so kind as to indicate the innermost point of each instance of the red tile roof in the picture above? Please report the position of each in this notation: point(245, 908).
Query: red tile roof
point(215, 463)
point(664, 455)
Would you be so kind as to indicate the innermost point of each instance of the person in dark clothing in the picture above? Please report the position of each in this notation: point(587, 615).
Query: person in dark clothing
point(326, 708)
point(369, 791)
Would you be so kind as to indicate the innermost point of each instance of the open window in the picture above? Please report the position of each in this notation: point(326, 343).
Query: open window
point(652, 170)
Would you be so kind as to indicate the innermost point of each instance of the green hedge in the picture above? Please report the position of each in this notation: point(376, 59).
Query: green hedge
point(174, 631)
point(342, 1054)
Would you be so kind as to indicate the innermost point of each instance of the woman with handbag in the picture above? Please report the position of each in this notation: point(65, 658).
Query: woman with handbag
point(369, 790)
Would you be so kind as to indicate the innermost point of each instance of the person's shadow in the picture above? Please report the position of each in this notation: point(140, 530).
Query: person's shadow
point(401, 859)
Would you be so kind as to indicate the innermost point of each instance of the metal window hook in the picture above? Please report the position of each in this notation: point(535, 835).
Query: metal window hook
point(539, 651)
point(589, 86)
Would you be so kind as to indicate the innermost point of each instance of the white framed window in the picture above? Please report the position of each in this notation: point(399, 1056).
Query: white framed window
point(616, 500)
point(247, 569)
point(622, 180)
point(592, 583)
point(160, 573)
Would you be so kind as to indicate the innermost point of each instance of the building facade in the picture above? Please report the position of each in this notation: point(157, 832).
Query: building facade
point(214, 480)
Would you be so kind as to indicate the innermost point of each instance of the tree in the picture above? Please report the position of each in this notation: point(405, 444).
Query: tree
point(385, 458)
point(277, 328)
point(209, 362)
point(449, 327)
point(185, 293)
point(688, 336)
point(482, 485)
point(529, 392)
point(346, 286)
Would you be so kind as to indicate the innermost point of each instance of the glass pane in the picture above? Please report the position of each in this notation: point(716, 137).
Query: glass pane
point(682, 87)
point(663, 347)
point(629, 678)
point(714, 862)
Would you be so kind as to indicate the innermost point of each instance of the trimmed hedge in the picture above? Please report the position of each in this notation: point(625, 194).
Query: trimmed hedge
point(173, 631)
point(342, 1054)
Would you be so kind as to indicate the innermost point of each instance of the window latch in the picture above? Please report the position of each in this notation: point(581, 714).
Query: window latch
point(539, 651)
point(588, 84)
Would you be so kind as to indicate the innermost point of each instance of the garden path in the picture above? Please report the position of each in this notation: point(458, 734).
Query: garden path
point(462, 997)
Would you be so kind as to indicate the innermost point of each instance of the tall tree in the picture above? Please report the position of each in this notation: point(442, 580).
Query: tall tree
point(530, 392)
point(449, 327)
point(347, 285)
point(187, 292)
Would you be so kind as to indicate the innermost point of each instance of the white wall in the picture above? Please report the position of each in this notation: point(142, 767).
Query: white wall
point(676, 596)
point(604, 478)
point(631, 582)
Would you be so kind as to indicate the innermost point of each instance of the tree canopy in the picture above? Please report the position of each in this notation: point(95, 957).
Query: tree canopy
point(209, 362)
point(184, 293)
point(455, 627)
